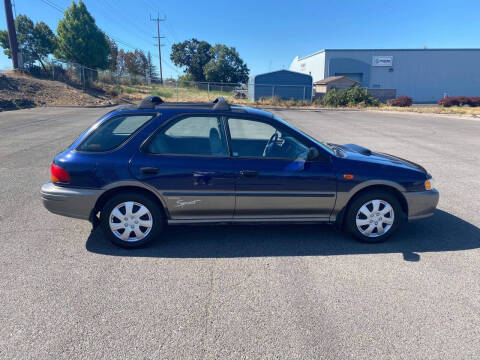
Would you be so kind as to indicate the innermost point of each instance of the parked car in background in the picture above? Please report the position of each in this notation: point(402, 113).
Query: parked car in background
point(139, 168)
point(240, 92)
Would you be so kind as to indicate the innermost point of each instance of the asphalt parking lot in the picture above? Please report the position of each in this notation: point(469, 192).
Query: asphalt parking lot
point(238, 292)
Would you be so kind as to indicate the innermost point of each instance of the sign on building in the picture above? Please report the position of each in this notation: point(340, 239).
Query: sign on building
point(382, 60)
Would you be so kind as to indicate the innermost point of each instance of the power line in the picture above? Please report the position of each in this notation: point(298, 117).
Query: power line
point(108, 11)
point(158, 37)
point(172, 68)
point(58, 8)
point(53, 5)
point(129, 21)
point(118, 40)
point(168, 25)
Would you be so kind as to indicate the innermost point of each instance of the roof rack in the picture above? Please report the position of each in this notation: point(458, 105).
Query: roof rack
point(221, 104)
point(150, 102)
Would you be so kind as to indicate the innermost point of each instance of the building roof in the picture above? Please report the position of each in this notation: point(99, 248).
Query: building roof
point(420, 49)
point(331, 79)
point(279, 71)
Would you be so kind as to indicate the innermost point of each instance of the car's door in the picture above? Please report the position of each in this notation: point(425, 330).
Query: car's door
point(187, 161)
point(273, 177)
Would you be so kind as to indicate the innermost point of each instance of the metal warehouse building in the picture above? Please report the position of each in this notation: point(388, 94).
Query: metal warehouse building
point(424, 74)
point(283, 84)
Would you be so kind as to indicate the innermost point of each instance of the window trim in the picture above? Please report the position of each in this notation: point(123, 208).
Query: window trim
point(153, 115)
point(280, 126)
point(177, 118)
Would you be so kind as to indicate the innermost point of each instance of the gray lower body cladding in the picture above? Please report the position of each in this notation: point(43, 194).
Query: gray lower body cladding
point(79, 203)
point(421, 204)
point(71, 202)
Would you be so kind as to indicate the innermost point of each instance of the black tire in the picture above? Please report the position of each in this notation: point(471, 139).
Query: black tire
point(351, 216)
point(156, 212)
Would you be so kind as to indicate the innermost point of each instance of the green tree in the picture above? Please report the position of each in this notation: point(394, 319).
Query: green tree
point(130, 63)
point(112, 56)
point(142, 62)
point(151, 68)
point(80, 40)
point(35, 41)
point(193, 55)
point(225, 65)
point(136, 62)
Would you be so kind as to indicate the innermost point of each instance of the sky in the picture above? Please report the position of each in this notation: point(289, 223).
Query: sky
point(268, 34)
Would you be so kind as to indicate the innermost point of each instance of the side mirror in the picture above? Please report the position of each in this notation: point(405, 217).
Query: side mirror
point(312, 153)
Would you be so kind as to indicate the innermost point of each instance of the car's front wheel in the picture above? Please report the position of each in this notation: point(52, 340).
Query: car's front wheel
point(374, 216)
point(131, 219)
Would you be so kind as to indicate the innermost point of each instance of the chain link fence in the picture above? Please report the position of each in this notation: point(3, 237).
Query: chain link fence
point(83, 77)
point(137, 86)
point(199, 91)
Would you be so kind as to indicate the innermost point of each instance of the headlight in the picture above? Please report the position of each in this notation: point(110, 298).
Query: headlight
point(429, 184)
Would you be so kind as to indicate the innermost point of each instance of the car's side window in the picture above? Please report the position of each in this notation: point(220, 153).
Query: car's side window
point(113, 132)
point(193, 135)
point(252, 138)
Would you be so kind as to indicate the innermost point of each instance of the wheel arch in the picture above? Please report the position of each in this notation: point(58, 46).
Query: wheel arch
point(374, 187)
point(125, 188)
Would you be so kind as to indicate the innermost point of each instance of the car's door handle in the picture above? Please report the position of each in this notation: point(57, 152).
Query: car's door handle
point(198, 174)
point(149, 170)
point(249, 173)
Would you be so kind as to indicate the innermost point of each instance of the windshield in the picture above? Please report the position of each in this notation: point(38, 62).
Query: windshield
point(323, 145)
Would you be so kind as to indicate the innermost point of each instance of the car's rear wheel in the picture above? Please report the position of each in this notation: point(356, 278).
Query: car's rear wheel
point(131, 220)
point(374, 216)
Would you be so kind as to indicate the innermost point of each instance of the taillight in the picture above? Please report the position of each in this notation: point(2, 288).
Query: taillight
point(59, 175)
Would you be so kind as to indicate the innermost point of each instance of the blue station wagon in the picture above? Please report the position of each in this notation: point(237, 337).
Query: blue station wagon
point(141, 167)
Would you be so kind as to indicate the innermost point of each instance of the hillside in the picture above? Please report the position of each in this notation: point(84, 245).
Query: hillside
point(18, 91)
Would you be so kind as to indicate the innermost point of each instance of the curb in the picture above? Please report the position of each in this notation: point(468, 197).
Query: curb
point(78, 106)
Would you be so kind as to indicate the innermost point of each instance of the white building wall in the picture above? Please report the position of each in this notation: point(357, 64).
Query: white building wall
point(313, 65)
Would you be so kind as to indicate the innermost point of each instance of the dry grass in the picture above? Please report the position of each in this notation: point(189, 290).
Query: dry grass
point(458, 110)
point(18, 91)
point(134, 93)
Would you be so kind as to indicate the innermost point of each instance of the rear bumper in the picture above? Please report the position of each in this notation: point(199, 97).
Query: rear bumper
point(71, 202)
point(421, 204)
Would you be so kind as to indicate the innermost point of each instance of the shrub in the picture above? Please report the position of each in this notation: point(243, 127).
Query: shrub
point(354, 96)
point(448, 101)
point(292, 102)
point(113, 90)
point(129, 90)
point(331, 98)
point(474, 101)
point(401, 100)
point(459, 101)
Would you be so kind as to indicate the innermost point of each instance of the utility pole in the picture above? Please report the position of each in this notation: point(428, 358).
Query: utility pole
point(12, 34)
point(158, 37)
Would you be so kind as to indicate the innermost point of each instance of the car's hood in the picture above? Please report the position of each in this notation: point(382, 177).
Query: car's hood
point(360, 153)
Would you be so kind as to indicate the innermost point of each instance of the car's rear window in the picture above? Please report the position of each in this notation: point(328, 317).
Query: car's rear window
point(113, 132)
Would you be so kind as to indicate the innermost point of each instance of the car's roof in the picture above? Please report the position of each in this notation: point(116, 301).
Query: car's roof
point(219, 105)
point(259, 112)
